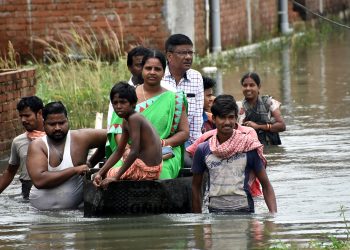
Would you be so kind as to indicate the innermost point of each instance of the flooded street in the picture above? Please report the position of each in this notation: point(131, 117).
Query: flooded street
point(310, 172)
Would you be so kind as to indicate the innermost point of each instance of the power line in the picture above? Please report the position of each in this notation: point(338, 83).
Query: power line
point(320, 16)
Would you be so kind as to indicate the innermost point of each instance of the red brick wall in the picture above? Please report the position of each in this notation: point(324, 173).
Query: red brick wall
point(234, 21)
point(133, 21)
point(13, 86)
point(199, 29)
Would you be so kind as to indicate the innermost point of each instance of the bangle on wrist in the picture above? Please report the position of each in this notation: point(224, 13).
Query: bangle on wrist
point(268, 126)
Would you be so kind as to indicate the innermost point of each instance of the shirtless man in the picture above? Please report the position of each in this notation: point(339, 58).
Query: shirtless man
point(141, 162)
point(57, 161)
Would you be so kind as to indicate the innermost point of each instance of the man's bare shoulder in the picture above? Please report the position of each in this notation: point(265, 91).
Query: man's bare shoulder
point(37, 146)
point(89, 136)
point(37, 143)
point(88, 132)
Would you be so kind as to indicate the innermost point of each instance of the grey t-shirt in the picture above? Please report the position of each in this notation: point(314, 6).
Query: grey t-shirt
point(18, 157)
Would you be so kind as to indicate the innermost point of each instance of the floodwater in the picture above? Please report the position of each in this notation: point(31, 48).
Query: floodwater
point(310, 172)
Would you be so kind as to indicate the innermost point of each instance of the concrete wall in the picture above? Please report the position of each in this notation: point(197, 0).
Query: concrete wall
point(178, 20)
point(14, 85)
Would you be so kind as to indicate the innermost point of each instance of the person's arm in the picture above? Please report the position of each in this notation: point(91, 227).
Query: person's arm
point(198, 168)
point(37, 166)
point(269, 193)
point(98, 139)
point(113, 159)
point(197, 180)
point(279, 125)
point(182, 134)
point(7, 176)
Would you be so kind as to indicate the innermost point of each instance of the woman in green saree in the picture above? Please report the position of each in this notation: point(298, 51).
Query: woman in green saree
point(166, 110)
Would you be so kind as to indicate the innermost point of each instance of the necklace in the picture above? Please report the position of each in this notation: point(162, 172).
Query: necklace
point(154, 94)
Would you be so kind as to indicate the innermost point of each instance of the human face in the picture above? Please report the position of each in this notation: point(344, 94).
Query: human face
point(208, 99)
point(152, 72)
point(122, 107)
point(250, 89)
point(181, 57)
point(225, 124)
point(30, 120)
point(56, 126)
point(136, 67)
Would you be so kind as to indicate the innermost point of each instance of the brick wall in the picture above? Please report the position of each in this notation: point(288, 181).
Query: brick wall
point(134, 21)
point(199, 22)
point(234, 21)
point(14, 85)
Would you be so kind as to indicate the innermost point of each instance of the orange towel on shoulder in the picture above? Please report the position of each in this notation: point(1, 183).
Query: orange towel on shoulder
point(32, 135)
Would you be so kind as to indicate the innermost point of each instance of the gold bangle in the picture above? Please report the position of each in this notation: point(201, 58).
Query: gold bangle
point(269, 127)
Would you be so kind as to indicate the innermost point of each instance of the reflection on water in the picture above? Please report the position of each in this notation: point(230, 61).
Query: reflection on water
point(310, 172)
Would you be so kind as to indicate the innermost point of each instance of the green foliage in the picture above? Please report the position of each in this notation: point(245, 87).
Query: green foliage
point(82, 86)
point(80, 68)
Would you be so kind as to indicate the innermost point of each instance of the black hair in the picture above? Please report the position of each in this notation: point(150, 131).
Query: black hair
point(252, 75)
point(33, 102)
point(208, 82)
point(224, 105)
point(137, 51)
point(155, 54)
point(124, 90)
point(54, 108)
point(175, 40)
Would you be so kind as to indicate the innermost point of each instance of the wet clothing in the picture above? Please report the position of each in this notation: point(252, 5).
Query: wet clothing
point(138, 171)
point(255, 185)
point(261, 114)
point(68, 195)
point(18, 157)
point(229, 166)
point(163, 112)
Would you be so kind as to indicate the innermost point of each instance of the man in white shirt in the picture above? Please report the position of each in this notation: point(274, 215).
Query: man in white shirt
point(180, 77)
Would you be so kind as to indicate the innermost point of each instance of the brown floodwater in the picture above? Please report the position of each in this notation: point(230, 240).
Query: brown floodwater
point(310, 172)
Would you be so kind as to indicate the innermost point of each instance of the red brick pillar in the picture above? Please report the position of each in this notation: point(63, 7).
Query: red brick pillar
point(14, 84)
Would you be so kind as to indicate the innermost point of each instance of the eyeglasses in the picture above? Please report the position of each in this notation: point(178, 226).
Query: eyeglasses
point(184, 53)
